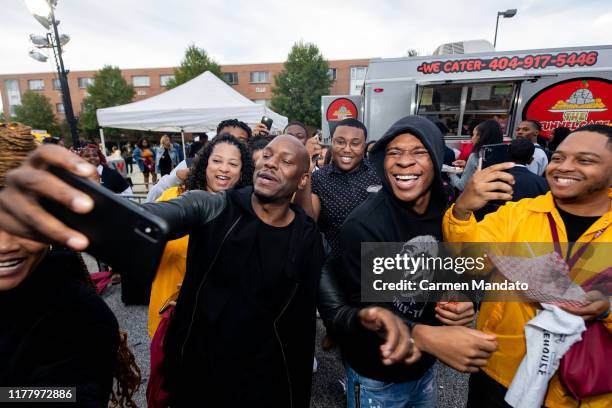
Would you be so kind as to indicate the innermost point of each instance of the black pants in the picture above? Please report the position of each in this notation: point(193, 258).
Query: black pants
point(485, 392)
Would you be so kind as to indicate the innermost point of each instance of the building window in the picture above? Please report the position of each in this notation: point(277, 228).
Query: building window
point(260, 89)
point(36, 84)
point(358, 73)
point(265, 102)
point(85, 82)
point(57, 85)
point(164, 79)
point(331, 74)
point(140, 81)
point(231, 77)
point(260, 77)
point(59, 107)
point(13, 94)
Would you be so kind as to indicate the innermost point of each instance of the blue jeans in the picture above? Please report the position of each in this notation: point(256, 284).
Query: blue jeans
point(362, 392)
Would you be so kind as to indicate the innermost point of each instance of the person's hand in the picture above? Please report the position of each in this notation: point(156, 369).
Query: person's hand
point(489, 184)
point(399, 346)
point(313, 146)
point(455, 313)
point(459, 347)
point(20, 212)
point(182, 174)
point(459, 163)
point(260, 130)
point(599, 304)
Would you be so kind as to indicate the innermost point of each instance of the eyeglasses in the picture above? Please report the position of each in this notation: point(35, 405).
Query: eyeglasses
point(341, 143)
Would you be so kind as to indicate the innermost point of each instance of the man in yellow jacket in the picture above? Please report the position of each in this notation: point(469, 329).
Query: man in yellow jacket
point(580, 176)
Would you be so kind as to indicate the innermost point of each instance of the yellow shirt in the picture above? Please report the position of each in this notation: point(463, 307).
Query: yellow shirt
point(526, 221)
point(171, 270)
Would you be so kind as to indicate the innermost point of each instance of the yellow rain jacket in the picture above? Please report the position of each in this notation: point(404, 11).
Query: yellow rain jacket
point(526, 221)
point(170, 272)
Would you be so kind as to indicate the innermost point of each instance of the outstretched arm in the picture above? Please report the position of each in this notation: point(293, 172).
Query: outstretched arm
point(21, 213)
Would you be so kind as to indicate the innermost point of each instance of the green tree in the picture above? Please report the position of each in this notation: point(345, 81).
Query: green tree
point(196, 62)
point(109, 89)
point(300, 85)
point(36, 111)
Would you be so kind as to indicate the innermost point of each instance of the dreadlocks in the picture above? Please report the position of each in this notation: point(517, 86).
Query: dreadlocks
point(16, 143)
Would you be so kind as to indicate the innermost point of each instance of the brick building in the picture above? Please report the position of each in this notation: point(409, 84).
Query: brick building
point(255, 81)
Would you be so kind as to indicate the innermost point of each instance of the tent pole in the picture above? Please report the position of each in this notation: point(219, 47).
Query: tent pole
point(183, 140)
point(102, 140)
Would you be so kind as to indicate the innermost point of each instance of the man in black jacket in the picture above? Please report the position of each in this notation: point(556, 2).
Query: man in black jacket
point(243, 329)
point(409, 208)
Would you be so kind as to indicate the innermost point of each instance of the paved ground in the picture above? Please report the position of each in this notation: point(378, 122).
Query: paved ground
point(326, 386)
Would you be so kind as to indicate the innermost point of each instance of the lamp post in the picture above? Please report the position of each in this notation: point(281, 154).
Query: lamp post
point(506, 14)
point(43, 12)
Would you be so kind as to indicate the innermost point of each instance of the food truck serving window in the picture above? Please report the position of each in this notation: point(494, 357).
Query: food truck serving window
point(461, 107)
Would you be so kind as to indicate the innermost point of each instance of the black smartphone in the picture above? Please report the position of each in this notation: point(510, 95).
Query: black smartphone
point(121, 233)
point(495, 154)
point(267, 122)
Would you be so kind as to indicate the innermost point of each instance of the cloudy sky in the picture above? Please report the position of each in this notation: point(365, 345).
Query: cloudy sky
point(155, 33)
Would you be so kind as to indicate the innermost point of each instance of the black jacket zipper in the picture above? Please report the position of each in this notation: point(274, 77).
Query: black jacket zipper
point(195, 306)
point(280, 343)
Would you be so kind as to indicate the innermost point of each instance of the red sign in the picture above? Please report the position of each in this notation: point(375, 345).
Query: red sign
point(341, 108)
point(573, 103)
point(536, 61)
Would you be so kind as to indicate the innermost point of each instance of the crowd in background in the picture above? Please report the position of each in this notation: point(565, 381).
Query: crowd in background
point(267, 229)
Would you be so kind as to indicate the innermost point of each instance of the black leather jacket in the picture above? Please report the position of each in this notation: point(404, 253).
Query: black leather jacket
point(222, 230)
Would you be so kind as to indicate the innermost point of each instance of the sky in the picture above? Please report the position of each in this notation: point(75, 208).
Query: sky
point(155, 33)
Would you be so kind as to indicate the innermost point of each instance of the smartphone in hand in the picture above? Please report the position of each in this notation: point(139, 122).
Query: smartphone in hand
point(267, 122)
point(121, 233)
point(495, 154)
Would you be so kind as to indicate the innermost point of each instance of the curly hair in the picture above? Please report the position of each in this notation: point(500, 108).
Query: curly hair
point(197, 175)
point(234, 123)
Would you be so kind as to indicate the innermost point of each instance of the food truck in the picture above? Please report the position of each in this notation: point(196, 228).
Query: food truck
point(568, 87)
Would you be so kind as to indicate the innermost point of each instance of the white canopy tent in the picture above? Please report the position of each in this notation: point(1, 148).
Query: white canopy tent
point(195, 106)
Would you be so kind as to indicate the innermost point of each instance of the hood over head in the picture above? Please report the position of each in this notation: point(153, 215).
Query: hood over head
point(427, 132)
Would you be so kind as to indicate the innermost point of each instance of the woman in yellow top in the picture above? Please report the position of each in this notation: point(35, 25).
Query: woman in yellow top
point(223, 164)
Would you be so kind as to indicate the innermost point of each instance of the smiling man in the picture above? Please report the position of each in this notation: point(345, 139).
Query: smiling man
point(578, 208)
point(339, 187)
point(408, 209)
point(243, 330)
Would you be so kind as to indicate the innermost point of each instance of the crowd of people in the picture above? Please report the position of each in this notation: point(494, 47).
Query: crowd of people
point(267, 230)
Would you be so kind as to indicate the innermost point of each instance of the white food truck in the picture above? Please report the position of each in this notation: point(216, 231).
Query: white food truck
point(568, 87)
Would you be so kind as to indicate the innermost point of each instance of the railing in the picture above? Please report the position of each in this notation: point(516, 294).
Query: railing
point(138, 198)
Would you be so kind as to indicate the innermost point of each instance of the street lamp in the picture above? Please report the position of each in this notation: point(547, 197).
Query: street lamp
point(38, 56)
point(506, 14)
point(43, 12)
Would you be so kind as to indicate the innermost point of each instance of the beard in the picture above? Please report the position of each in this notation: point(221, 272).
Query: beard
point(263, 198)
